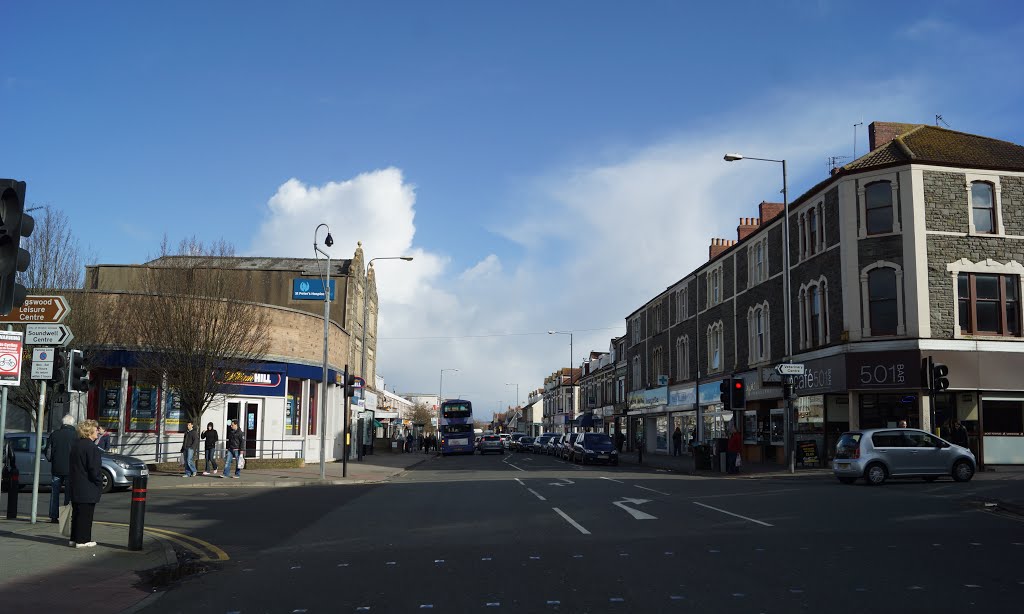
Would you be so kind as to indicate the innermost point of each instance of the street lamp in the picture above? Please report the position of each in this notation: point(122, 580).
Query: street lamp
point(732, 157)
point(366, 306)
point(567, 332)
point(325, 276)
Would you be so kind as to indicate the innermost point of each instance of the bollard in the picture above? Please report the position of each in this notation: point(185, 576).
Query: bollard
point(137, 521)
point(13, 486)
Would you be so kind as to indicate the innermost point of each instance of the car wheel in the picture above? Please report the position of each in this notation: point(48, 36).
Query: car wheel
point(108, 481)
point(963, 471)
point(847, 480)
point(875, 474)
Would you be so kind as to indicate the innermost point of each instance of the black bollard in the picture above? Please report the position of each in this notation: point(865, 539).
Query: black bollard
point(137, 521)
point(13, 486)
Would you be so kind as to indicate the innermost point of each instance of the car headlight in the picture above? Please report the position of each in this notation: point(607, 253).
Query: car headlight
point(122, 465)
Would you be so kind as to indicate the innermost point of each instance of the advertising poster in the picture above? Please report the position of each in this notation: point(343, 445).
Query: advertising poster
point(109, 414)
point(10, 358)
point(176, 421)
point(144, 405)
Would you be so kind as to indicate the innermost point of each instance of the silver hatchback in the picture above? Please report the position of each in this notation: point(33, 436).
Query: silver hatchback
point(490, 443)
point(879, 454)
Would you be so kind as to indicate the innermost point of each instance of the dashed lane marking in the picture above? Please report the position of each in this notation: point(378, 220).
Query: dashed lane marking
point(611, 480)
point(732, 514)
point(536, 494)
point(578, 526)
point(667, 494)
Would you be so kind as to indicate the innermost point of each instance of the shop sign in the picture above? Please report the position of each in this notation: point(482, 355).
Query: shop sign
point(638, 399)
point(710, 393)
point(310, 289)
point(822, 375)
point(900, 369)
point(756, 390)
point(682, 395)
point(258, 383)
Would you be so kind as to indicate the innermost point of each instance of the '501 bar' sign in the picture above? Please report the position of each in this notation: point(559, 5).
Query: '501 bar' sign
point(883, 370)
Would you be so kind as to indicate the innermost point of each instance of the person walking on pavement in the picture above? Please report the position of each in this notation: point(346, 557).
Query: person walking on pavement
point(86, 482)
point(210, 438)
point(190, 448)
point(58, 452)
point(958, 434)
point(233, 450)
point(677, 442)
point(408, 442)
point(103, 439)
point(732, 451)
point(620, 439)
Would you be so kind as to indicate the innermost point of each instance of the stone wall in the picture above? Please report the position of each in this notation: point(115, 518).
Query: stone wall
point(945, 198)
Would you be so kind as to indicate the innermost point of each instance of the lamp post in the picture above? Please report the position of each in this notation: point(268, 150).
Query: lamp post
point(567, 332)
point(732, 157)
point(326, 278)
point(366, 307)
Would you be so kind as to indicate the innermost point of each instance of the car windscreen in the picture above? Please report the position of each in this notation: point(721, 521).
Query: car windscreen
point(542, 440)
point(596, 440)
point(456, 410)
point(526, 440)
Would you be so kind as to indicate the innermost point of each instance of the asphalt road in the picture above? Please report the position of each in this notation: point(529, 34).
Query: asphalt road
point(533, 534)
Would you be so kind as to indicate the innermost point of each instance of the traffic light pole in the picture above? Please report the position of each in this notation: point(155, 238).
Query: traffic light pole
point(3, 409)
point(790, 425)
point(39, 449)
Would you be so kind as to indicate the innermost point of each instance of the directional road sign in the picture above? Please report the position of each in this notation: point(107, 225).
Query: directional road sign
point(48, 334)
point(789, 369)
point(39, 310)
point(42, 363)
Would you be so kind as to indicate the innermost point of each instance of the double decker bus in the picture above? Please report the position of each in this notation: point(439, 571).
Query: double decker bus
point(456, 427)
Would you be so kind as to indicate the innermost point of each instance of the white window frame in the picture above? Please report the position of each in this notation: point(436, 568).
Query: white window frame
point(685, 295)
point(714, 285)
point(997, 204)
point(683, 363)
point(715, 337)
point(901, 326)
point(893, 179)
point(755, 356)
point(804, 304)
point(755, 274)
point(984, 267)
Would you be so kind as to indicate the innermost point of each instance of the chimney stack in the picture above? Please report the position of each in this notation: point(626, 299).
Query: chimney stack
point(718, 246)
point(769, 211)
point(747, 226)
point(880, 133)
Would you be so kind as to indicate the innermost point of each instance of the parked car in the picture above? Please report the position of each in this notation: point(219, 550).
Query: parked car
point(565, 452)
point(554, 444)
point(505, 437)
point(513, 442)
point(117, 469)
point(595, 448)
point(525, 444)
point(880, 454)
point(490, 443)
point(540, 444)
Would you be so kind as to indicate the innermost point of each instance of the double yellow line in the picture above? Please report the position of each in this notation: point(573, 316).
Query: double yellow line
point(203, 549)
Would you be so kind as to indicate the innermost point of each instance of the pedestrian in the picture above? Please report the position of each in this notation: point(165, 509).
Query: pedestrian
point(620, 439)
point(677, 442)
point(210, 437)
point(902, 424)
point(419, 441)
point(958, 434)
point(408, 442)
point(58, 452)
point(233, 449)
point(86, 482)
point(103, 439)
point(732, 451)
point(190, 450)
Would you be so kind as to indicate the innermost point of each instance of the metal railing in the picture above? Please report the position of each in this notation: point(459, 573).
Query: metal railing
point(169, 450)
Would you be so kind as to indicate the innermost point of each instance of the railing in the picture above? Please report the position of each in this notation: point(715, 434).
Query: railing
point(169, 450)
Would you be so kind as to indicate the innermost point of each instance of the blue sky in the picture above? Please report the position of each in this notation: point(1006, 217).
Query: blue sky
point(514, 148)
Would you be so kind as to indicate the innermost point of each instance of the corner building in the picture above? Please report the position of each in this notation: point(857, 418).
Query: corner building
point(912, 250)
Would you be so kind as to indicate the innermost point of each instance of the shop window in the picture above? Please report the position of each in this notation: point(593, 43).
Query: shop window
point(314, 392)
point(108, 413)
point(175, 418)
point(143, 412)
point(293, 408)
point(878, 208)
point(1003, 417)
point(887, 410)
point(989, 304)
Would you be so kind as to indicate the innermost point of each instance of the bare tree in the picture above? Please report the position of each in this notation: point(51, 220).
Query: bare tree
point(421, 414)
point(193, 322)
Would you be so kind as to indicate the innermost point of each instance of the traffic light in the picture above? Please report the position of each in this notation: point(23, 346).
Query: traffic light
point(61, 372)
point(78, 373)
point(739, 394)
point(939, 380)
point(350, 385)
point(14, 224)
point(726, 397)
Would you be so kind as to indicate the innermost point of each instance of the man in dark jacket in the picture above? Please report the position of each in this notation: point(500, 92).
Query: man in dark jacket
point(86, 481)
point(233, 449)
point(210, 437)
point(58, 452)
point(190, 448)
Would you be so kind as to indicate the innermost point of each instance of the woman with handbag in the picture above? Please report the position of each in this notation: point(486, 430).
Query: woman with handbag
point(86, 482)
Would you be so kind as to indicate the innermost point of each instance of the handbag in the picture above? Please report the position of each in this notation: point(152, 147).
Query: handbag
point(241, 461)
point(64, 519)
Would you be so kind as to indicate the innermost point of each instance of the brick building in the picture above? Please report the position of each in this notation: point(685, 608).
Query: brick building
point(913, 250)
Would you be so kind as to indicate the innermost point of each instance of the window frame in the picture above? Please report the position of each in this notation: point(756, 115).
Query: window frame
point(866, 328)
point(682, 357)
point(894, 186)
point(637, 374)
point(972, 305)
point(998, 228)
point(868, 208)
point(716, 338)
point(759, 341)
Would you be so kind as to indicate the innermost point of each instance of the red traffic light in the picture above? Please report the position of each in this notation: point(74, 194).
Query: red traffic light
point(738, 384)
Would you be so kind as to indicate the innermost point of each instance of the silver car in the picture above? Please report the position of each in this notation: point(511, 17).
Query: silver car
point(117, 470)
point(490, 443)
point(879, 454)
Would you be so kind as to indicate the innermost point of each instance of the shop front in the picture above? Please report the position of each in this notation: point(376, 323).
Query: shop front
point(648, 413)
point(822, 409)
point(764, 400)
point(682, 407)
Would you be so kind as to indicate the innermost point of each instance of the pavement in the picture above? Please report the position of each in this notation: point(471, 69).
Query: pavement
point(684, 464)
point(41, 573)
point(373, 468)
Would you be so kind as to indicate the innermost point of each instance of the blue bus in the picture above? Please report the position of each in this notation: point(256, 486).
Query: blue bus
point(456, 427)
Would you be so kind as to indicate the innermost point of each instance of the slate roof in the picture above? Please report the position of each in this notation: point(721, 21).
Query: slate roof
point(931, 144)
point(305, 266)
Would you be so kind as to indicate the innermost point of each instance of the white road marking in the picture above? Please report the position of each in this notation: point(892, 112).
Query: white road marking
point(577, 556)
point(914, 588)
point(796, 591)
point(738, 595)
point(675, 597)
point(520, 481)
point(732, 514)
point(391, 563)
point(554, 602)
point(534, 558)
point(342, 564)
point(423, 606)
point(635, 513)
point(578, 526)
point(493, 604)
point(439, 560)
point(972, 586)
point(536, 494)
point(611, 480)
point(486, 558)
point(669, 553)
point(365, 608)
point(299, 611)
point(667, 494)
point(296, 566)
point(616, 599)
point(714, 551)
point(975, 544)
point(747, 494)
point(506, 461)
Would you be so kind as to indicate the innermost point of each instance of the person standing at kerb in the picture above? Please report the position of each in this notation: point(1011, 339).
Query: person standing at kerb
point(190, 449)
point(58, 452)
point(210, 438)
point(86, 482)
point(233, 450)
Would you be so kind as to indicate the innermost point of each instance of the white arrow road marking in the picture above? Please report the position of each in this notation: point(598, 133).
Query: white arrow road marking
point(634, 512)
point(564, 482)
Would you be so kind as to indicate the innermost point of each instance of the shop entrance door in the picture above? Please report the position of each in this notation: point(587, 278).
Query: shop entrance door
point(248, 422)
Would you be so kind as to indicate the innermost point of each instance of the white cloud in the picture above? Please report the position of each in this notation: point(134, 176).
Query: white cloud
point(600, 240)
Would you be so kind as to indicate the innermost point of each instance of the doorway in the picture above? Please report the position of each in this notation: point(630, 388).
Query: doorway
point(248, 422)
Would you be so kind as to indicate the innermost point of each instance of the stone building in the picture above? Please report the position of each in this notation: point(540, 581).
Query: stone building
point(913, 250)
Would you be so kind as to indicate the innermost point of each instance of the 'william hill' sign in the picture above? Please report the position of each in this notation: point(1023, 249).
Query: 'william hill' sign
point(253, 382)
